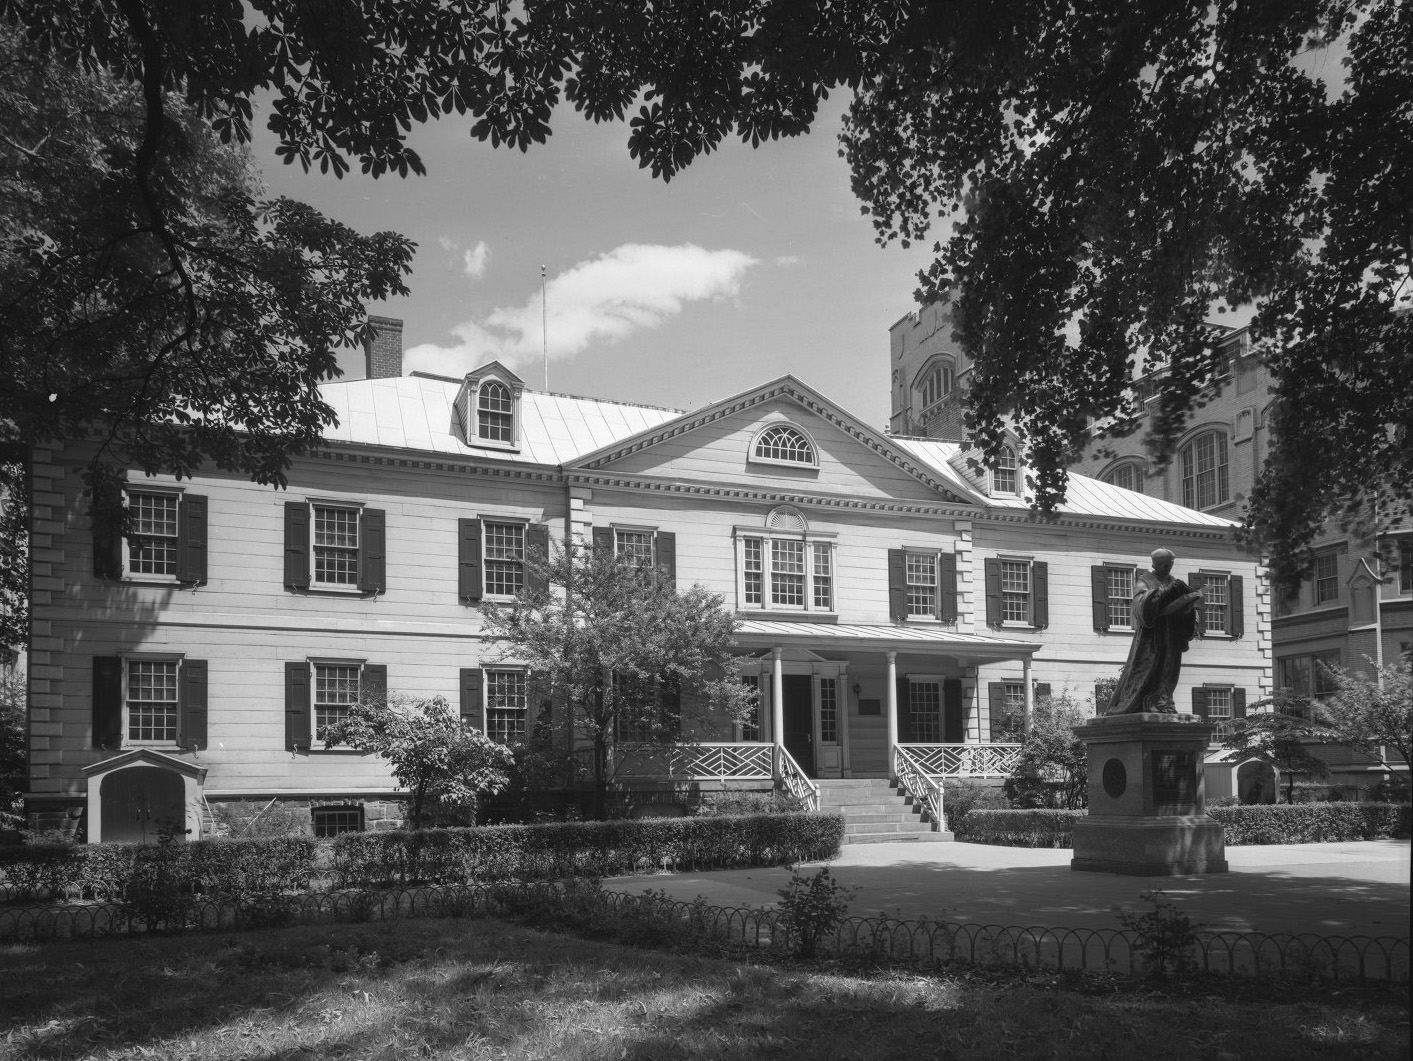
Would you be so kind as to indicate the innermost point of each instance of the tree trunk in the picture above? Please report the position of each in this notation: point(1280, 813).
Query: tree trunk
point(600, 777)
point(417, 805)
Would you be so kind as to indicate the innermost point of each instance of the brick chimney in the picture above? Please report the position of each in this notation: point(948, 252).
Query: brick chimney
point(384, 351)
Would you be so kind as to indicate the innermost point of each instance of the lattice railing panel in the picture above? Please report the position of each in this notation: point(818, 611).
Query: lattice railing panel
point(964, 760)
point(916, 783)
point(789, 775)
point(694, 762)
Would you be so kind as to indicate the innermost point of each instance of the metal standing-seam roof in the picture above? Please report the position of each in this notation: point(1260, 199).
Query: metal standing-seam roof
point(1084, 496)
point(416, 412)
point(900, 638)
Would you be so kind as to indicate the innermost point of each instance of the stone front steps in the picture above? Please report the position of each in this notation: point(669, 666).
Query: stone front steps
point(875, 811)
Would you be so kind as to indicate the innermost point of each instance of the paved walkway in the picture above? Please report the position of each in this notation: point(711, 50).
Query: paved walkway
point(1350, 889)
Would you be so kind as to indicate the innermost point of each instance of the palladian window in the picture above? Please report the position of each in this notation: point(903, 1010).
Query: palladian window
point(784, 444)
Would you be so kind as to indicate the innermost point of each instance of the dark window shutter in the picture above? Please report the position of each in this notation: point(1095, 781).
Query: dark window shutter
point(191, 540)
point(107, 539)
point(1099, 593)
point(108, 702)
point(1238, 703)
point(472, 712)
point(373, 551)
point(948, 572)
point(297, 724)
point(468, 552)
point(993, 592)
point(192, 703)
point(953, 719)
point(897, 583)
point(670, 701)
point(297, 546)
point(1199, 583)
point(667, 558)
point(1236, 618)
point(536, 546)
point(603, 541)
point(1042, 689)
point(905, 713)
point(1199, 702)
point(1040, 594)
point(996, 699)
point(373, 686)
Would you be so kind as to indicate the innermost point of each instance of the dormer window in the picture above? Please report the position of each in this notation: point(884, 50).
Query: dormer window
point(784, 444)
point(495, 420)
point(489, 407)
point(1005, 475)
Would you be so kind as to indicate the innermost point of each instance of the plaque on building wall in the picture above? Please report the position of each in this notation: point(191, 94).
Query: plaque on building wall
point(870, 707)
point(1175, 782)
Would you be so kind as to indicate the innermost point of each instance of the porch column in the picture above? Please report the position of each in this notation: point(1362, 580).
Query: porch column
point(1029, 694)
point(892, 710)
point(777, 699)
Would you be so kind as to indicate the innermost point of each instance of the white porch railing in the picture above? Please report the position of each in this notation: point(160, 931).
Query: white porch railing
point(789, 776)
point(913, 778)
point(713, 761)
point(964, 760)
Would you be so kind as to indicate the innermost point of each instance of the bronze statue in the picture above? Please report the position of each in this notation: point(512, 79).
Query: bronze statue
point(1164, 622)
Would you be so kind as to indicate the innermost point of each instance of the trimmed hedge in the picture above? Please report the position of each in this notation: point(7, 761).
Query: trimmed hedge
point(1312, 823)
point(207, 867)
point(1038, 827)
point(258, 865)
point(582, 849)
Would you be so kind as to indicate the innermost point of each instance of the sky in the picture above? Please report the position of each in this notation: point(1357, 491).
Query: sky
point(751, 264)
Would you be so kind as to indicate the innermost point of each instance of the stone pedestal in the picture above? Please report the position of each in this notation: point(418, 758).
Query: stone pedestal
point(1147, 804)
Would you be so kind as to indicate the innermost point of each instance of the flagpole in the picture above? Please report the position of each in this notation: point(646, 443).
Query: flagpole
point(544, 324)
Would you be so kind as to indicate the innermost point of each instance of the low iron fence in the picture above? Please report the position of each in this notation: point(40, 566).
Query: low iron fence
point(768, 931)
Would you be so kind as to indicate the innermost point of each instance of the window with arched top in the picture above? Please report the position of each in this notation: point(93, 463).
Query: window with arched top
point(1005, 474)
point(1129, 475)
point(785, 518)
point(937, 384)
point(495, 412)
point(784, 444)
point(1204, 470)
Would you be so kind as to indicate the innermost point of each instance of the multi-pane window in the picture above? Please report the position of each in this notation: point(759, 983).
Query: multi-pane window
point(823, 577)
point(1204, 471)
point(504, 558)
point(331, 821)
point(787, 573)
point(495, 412)
point(1005, 476)
point(152, 544)
point(1015, 591)
point(1324, 673)
point(1216, 599)
point(783, 443)
point(1219, 703)
point(1120, 595)
point(505, 706)
point(1311, 675)
point(937, 385)
point(336, 689)
point(1326, 577)
point(829, 710)
point(925, 707)
point(635, 546)
point(1128, 475)
point(750, 725)
point(335, 546)
point(921, 575)
point(152, 700)
point(1405, 567)
point(754, 571)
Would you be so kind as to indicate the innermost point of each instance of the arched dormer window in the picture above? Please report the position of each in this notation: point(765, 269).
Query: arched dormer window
point(784, 444)
point(1128, 474)
point(1203, 462)
point(488, 407)
point(495, 419)
point(1005, 473)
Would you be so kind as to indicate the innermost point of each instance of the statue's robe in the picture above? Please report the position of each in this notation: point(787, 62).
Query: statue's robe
point(1164, 623)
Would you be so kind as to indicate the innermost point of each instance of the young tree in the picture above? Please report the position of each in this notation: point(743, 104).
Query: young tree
point(1280, 737)
point(626, 657)
point(1053, 764)
point(1375, 713)
point(12, 747)
point(444, 764)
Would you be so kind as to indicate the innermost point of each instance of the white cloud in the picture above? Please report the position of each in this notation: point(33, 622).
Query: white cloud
point(475, 260)
point(449, 245)
point(785, 261)
point(604, 299)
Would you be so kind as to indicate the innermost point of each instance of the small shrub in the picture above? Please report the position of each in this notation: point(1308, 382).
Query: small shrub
point(739, 804)
point(811, 907)
point(1038, 827)
point(1312, 823)
point(1166, 936)
point(960, 796)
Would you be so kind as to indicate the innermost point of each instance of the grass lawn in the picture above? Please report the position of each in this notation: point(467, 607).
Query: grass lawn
point(491, 989)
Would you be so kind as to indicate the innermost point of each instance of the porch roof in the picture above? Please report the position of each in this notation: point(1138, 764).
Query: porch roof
point(768, 633)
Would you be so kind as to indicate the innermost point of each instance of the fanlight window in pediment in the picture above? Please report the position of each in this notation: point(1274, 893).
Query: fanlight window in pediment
point(785, 518)
point(785, 444)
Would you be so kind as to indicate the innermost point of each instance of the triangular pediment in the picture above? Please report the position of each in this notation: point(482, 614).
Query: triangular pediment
point(145, 757)
point(716, 446)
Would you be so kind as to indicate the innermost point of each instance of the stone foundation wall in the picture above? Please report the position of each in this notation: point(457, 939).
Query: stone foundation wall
point(295, 817)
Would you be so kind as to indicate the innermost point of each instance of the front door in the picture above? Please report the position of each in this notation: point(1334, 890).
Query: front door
point(798, 709)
